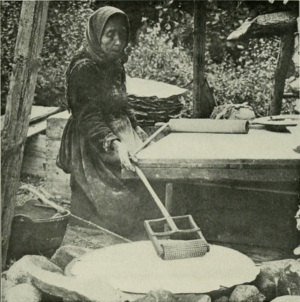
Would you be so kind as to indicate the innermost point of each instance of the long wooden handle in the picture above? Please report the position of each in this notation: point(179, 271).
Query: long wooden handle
point(59, 209)
point(151, 137)
point(155, 197)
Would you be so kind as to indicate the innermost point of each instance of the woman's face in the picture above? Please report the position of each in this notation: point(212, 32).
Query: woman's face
point(114, 37)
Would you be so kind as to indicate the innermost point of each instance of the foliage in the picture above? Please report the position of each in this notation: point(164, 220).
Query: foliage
point(238, 73)
point(155, 58)
point(9, 28)
point(176, 20)
point(62, 38)
point(249, 79)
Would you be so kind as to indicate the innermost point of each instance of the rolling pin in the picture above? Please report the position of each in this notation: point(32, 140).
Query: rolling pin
point(200, 126)
point(209, 126)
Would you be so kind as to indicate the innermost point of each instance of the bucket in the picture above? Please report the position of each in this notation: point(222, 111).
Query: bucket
point(36, 230)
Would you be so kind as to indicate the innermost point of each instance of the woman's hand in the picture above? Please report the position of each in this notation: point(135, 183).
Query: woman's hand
point(124, 155)
point(141, 133)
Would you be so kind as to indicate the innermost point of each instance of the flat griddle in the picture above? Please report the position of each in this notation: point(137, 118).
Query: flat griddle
point(136, 268)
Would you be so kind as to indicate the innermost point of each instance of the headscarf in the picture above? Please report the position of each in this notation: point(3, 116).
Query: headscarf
point(92, 47)
point(94, 31)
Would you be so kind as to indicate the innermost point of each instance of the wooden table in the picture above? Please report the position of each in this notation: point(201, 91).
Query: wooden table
point(260, 155)
point(240, 188)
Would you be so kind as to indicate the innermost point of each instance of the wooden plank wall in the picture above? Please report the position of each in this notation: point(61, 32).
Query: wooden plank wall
point(34, 161)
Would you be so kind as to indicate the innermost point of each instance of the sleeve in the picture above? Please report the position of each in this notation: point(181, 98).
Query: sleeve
point(92, 125)
point(86, 105)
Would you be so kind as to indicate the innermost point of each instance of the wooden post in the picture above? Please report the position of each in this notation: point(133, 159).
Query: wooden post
point(199, 105)
point(283, 63)
point(169, 197)
point(19, 102)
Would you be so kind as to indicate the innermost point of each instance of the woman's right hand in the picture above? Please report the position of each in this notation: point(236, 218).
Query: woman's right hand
point(124, 155)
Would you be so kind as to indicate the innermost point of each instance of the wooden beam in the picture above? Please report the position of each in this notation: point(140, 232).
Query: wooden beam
point(266, 25)
point(37, 113)
point(19, 102)
point(283, 63)
point(199, 60)
point(169, 197)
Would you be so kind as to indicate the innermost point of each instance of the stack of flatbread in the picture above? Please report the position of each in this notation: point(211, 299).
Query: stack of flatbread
point(154, 101)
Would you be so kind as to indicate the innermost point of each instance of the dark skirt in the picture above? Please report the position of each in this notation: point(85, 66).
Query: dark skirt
point(99, 194)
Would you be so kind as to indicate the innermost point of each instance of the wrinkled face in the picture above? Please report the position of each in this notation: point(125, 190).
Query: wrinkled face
point(114, 37)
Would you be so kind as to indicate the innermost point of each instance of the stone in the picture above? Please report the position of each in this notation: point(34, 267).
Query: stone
point(50, 298)
point(65, 254)
point(23, 293)
point(266, 286)
point(19, 271)
point(6, 285)
point(222, 299)
point(160, 295)
point(72, 289)
point(272, 274)
point(194, 298)
point(246, 293)
point(287, 299)
point(297, 249)
point(289, 281)
point(245, 114)
point(233, 112)
point(48, 278)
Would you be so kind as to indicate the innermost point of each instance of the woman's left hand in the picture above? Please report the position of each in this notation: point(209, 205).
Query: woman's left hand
point(141, 133)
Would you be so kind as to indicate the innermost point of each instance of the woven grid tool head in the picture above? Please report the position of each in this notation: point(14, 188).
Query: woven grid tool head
point(181, 249)
point(173, 243)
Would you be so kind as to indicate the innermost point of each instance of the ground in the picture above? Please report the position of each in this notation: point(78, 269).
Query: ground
point(87, 237)
point(83, 235)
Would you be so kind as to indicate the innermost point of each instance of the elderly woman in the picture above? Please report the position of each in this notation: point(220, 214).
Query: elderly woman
point(102, 133)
